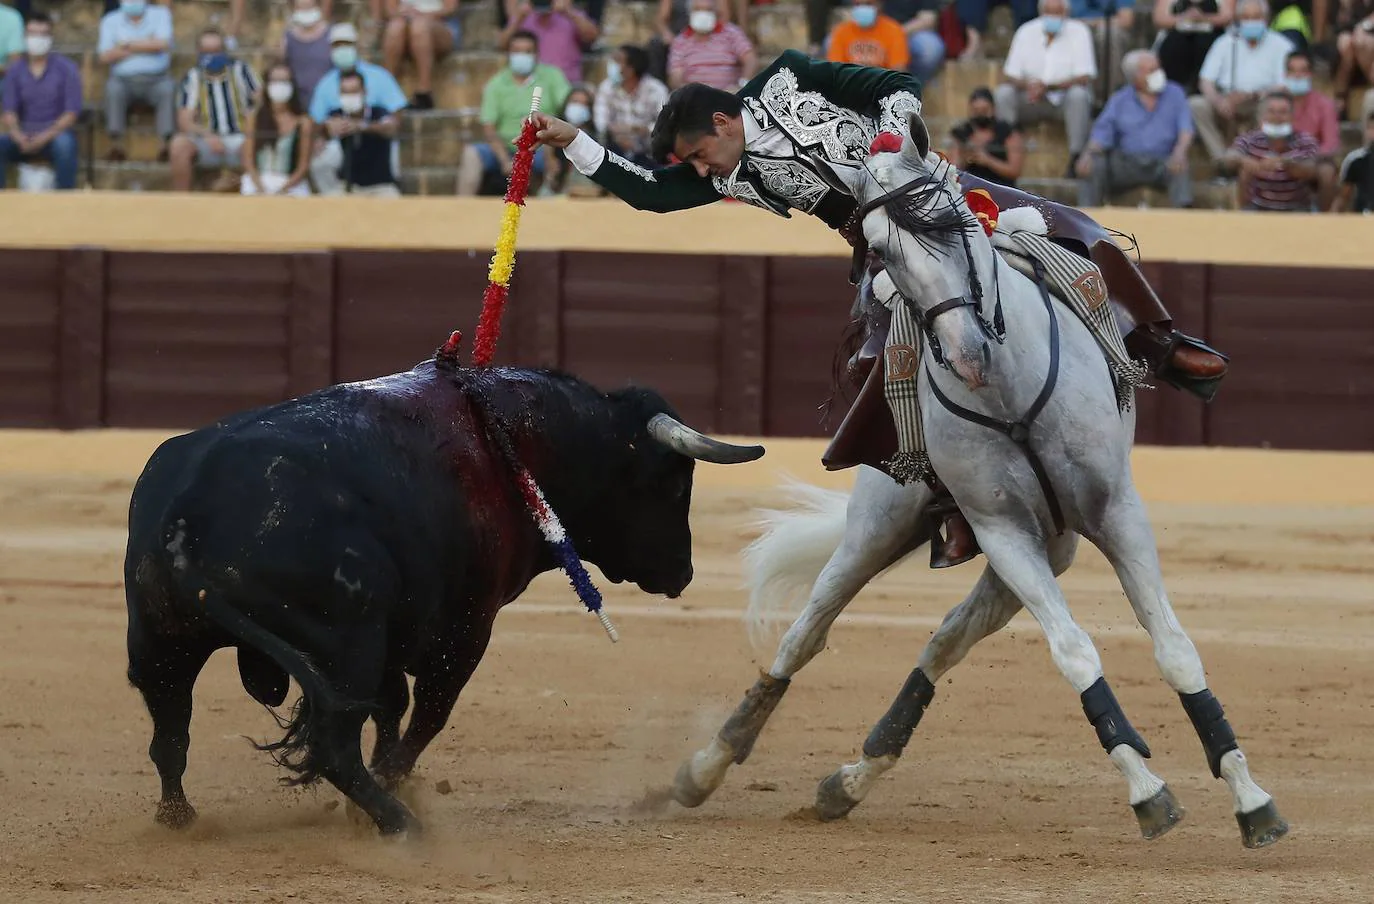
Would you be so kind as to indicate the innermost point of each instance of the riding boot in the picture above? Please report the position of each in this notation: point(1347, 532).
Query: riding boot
point(1178, 359)
point(958, 544)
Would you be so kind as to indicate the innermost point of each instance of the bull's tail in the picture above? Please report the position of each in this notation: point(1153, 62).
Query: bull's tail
point(295, 751)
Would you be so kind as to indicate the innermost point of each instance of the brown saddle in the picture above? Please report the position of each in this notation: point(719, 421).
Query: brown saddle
point(867, 435)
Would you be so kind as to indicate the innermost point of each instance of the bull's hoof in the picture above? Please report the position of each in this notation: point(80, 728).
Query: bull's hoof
point(685, 789)
point(832, 800)
point(1159, 814)
point(175, 814)
point(1262, 827)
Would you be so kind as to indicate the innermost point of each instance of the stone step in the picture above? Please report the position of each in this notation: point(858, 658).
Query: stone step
point(1208, 194)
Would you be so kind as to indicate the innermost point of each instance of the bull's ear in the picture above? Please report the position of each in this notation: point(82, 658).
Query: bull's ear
point(916, 145)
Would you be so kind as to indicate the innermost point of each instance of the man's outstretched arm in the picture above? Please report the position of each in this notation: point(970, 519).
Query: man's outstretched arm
point(677, 187)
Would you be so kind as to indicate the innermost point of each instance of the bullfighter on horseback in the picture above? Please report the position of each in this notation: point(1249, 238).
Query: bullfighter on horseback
point(776, 144)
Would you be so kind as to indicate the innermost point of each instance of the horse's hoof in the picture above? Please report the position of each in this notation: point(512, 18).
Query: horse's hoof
point(1159, 814)
point(1262, 827)
point(175, 814)
point(832, 800)
point(685, 789)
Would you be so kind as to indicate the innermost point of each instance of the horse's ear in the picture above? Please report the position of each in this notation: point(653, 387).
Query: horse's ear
point(917, 143)
point(843, 177)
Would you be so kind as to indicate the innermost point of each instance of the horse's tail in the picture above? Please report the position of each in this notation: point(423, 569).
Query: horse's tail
point(782, 564)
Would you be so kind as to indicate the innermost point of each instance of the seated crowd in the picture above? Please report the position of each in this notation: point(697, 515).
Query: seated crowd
point(323, 118)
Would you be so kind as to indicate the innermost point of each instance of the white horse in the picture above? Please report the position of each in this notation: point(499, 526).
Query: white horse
point(1045, 381)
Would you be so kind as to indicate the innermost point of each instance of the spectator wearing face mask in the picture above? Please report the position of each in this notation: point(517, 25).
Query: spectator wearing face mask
point(213, 105)
point(367, 135)
point(561, 29)
point(987, 147)
point(11, 37)
point(379, 86)
point(41, 101)
point(710, 51)
point(1141, 138)
point(505, 105)
point(305, 46)
point(1049, 70)
point(1357, 176)
point(135, 42)
point(1314, 113)
point(577, 109)
point(627, 105)
point(418, 29)
point(1238, 69)
point(276, 151)
point(1190, 28)
point(868, 38)
point(1277, 166)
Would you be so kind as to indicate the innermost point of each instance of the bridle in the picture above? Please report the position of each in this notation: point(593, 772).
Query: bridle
point(1017, 431)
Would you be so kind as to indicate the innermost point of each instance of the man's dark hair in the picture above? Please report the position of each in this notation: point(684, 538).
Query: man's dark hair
point(528, 36)
point(687, 115)
point(211, 31)
point(1300, 54)
point(636, 59)
point(39, 18)
point(1276, 94)
point(355, 74)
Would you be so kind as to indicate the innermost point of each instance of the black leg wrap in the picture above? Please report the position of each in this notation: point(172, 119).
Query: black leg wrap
point(1101, 708)
point(1205, 712)
point(741, 730)
point(890, 736)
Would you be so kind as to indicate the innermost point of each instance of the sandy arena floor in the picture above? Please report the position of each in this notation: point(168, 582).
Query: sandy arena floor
point(1003, 795)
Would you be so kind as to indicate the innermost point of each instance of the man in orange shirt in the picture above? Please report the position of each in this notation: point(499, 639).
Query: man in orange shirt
point(869, 38)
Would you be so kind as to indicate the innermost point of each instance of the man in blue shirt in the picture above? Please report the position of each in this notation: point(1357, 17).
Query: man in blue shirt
point(1140, 138)
point(381, 90)
point(136, 43)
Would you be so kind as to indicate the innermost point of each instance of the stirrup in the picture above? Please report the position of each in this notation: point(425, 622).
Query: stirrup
point(1204, 388)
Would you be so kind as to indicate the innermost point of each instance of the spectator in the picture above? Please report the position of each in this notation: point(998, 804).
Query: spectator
point(561, 29)
point(671, 20)
point(1357, 176)
point(1190, 28)
point(42, 99)
point(987, 147)
point(367, 135)
point(1141, 138)
point(380, 90)
point(627, 105)
point(1049, 69)
point(11, 37)
point(1355, 49)
point(505, 104)
point(305, 47)
point(136, 42)
point(712, 52)
point(213, 106)
point(1117, 26)
point(1277, 165)
point(867, 37)
point(577, 110)
point(276, 152)
point(1236, 71)
point(920, 21)
point(1314, 113)
point(417, 28)
point(974, 15)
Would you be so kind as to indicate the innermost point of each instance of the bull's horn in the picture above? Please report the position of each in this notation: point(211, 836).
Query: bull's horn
point(684, 440)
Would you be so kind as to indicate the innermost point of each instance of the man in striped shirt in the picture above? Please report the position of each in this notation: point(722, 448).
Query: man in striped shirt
point(1277, 166)
point(213, 108)
point(710, 51)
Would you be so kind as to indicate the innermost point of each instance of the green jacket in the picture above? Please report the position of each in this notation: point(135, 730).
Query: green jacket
point(827, 111)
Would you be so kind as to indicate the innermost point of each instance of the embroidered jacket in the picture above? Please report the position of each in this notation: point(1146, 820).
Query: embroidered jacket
point(827, 112)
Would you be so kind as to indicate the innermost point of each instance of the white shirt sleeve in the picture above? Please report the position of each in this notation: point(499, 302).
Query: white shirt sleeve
point(1085, 56)
point(1218, 60)
point(585, 153)
point(1015, 66)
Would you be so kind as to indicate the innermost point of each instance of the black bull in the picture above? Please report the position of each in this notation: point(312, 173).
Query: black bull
point(372, 530)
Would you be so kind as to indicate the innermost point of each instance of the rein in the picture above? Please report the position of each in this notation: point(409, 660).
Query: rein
point(1019, 431)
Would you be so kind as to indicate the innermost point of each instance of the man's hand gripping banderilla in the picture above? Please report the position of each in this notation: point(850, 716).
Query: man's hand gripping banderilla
point(553, 131)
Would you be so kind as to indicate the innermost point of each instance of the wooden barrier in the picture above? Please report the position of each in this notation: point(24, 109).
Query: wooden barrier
point(96, 334)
